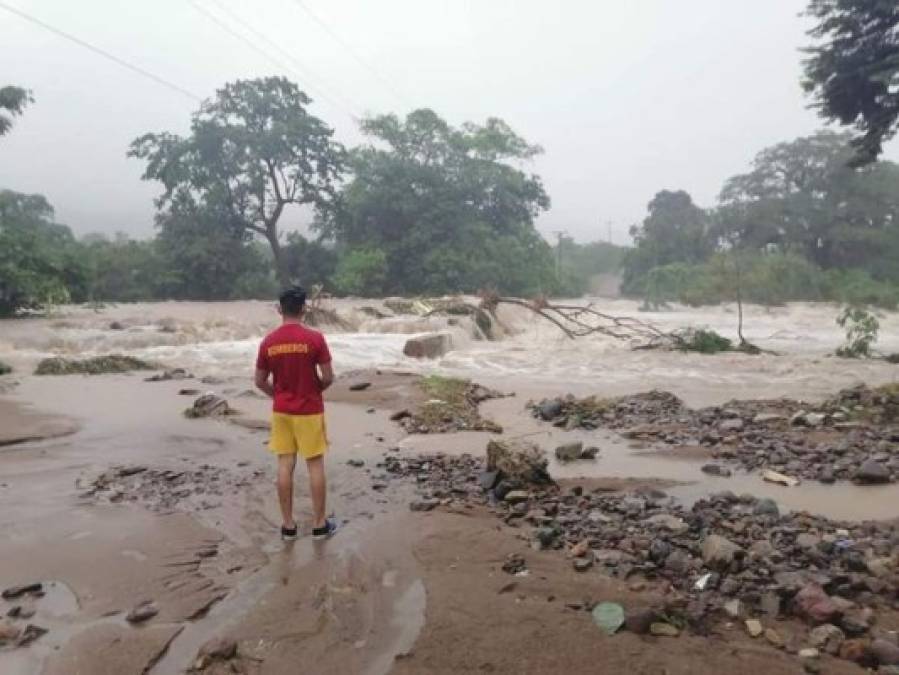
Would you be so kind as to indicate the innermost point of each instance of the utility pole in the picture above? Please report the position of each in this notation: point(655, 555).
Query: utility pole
point(560, 234)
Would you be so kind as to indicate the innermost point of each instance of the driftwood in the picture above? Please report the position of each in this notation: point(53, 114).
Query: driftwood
point(317, 315)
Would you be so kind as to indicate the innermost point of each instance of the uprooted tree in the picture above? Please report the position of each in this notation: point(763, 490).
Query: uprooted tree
point(578, 321)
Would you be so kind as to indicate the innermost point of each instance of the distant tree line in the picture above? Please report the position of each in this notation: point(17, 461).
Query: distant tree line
point(423, 208)
point(803, 223)
point(426, 207)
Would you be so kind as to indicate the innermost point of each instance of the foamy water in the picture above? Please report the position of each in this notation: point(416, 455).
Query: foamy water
point(221, 339)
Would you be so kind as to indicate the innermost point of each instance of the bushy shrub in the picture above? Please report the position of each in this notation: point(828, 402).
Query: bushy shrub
point(861, 332)
point(767, 279)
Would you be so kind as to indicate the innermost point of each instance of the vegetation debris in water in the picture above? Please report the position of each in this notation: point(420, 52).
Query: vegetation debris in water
point(704, 341)
point(5, 368)
point(112, 363)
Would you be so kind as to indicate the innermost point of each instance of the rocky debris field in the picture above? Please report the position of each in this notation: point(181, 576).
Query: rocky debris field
point(802, 583)
point(194, 488)
point(451, 405)
point(854, 436)
point(20, 605)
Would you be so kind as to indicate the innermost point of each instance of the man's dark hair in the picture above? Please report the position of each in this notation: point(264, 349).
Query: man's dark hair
point(292, 301)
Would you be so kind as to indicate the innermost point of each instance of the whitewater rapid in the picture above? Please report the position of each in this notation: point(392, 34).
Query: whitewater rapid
point(220, 339)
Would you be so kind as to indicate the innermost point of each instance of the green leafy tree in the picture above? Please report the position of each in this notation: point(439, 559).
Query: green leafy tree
point(253, 151)
point(803, 196)
point(853, 69)
point(309, 262)
point(674, 231)
point(445, 205)
point(200, 259)
point(40, 262)
point(123, 269)
point(362, 272)
point(12, 102)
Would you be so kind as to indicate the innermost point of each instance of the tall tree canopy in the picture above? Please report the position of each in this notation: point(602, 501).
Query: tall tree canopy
point(253, 150)
point(853, 69)
point(39, 259)
point(803, 196)
point(12, 102)
point(674, 230)
point(441, 208)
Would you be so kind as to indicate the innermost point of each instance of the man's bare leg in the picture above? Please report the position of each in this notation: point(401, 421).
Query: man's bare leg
point(286, 466)
point(317, 489)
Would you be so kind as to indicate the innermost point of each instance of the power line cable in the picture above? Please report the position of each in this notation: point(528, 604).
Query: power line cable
point(265, 54)
point(304, 71)
point(102, 52)
point(352, 52)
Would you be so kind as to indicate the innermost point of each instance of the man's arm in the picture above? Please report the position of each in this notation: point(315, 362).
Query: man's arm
point(262, 383)
point(325, 375)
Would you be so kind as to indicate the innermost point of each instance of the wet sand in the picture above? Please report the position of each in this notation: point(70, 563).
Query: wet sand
point(21, 424)
point(395, 591)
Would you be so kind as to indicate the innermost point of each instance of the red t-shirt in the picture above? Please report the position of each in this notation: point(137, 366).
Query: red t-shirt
point(290, 353)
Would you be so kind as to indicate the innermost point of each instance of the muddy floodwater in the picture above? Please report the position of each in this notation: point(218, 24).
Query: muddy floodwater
point(204, 551)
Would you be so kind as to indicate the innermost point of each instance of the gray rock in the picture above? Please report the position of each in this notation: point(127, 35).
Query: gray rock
point(545, 536)
point(827, 638)
point(766, 507)
point(516, 496)
point(767, 418)
point(142, 612)
point(733, 608)
point(582, 564)
point(659, 551)
point(217, 649)
point(731, 426)
point(872, 472)
point(668, 522)
point(884, 652)
point(569, 451)
point(424, 505)
point(717, 470)
point(430, 346)
point(550, 410)
point(815, 419)
point(718, 552)
point(590, 452)
point(488, 479)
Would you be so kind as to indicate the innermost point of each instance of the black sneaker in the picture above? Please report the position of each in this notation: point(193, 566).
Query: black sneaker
point(325, 531)
point(289, 533)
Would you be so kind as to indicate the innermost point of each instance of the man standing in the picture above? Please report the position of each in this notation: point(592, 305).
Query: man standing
point(298, 360)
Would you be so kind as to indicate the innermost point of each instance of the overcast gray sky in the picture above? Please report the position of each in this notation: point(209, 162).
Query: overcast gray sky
point(627, 98)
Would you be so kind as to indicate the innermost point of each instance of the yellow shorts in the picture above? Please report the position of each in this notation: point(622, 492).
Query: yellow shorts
point(305, 435)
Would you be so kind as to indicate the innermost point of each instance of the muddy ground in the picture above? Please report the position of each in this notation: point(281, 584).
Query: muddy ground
point(187, 523)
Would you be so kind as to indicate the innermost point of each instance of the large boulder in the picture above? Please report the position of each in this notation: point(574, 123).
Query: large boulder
point(209, 405)
point(872, 472)
point(429, 346)
point(518, 460)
